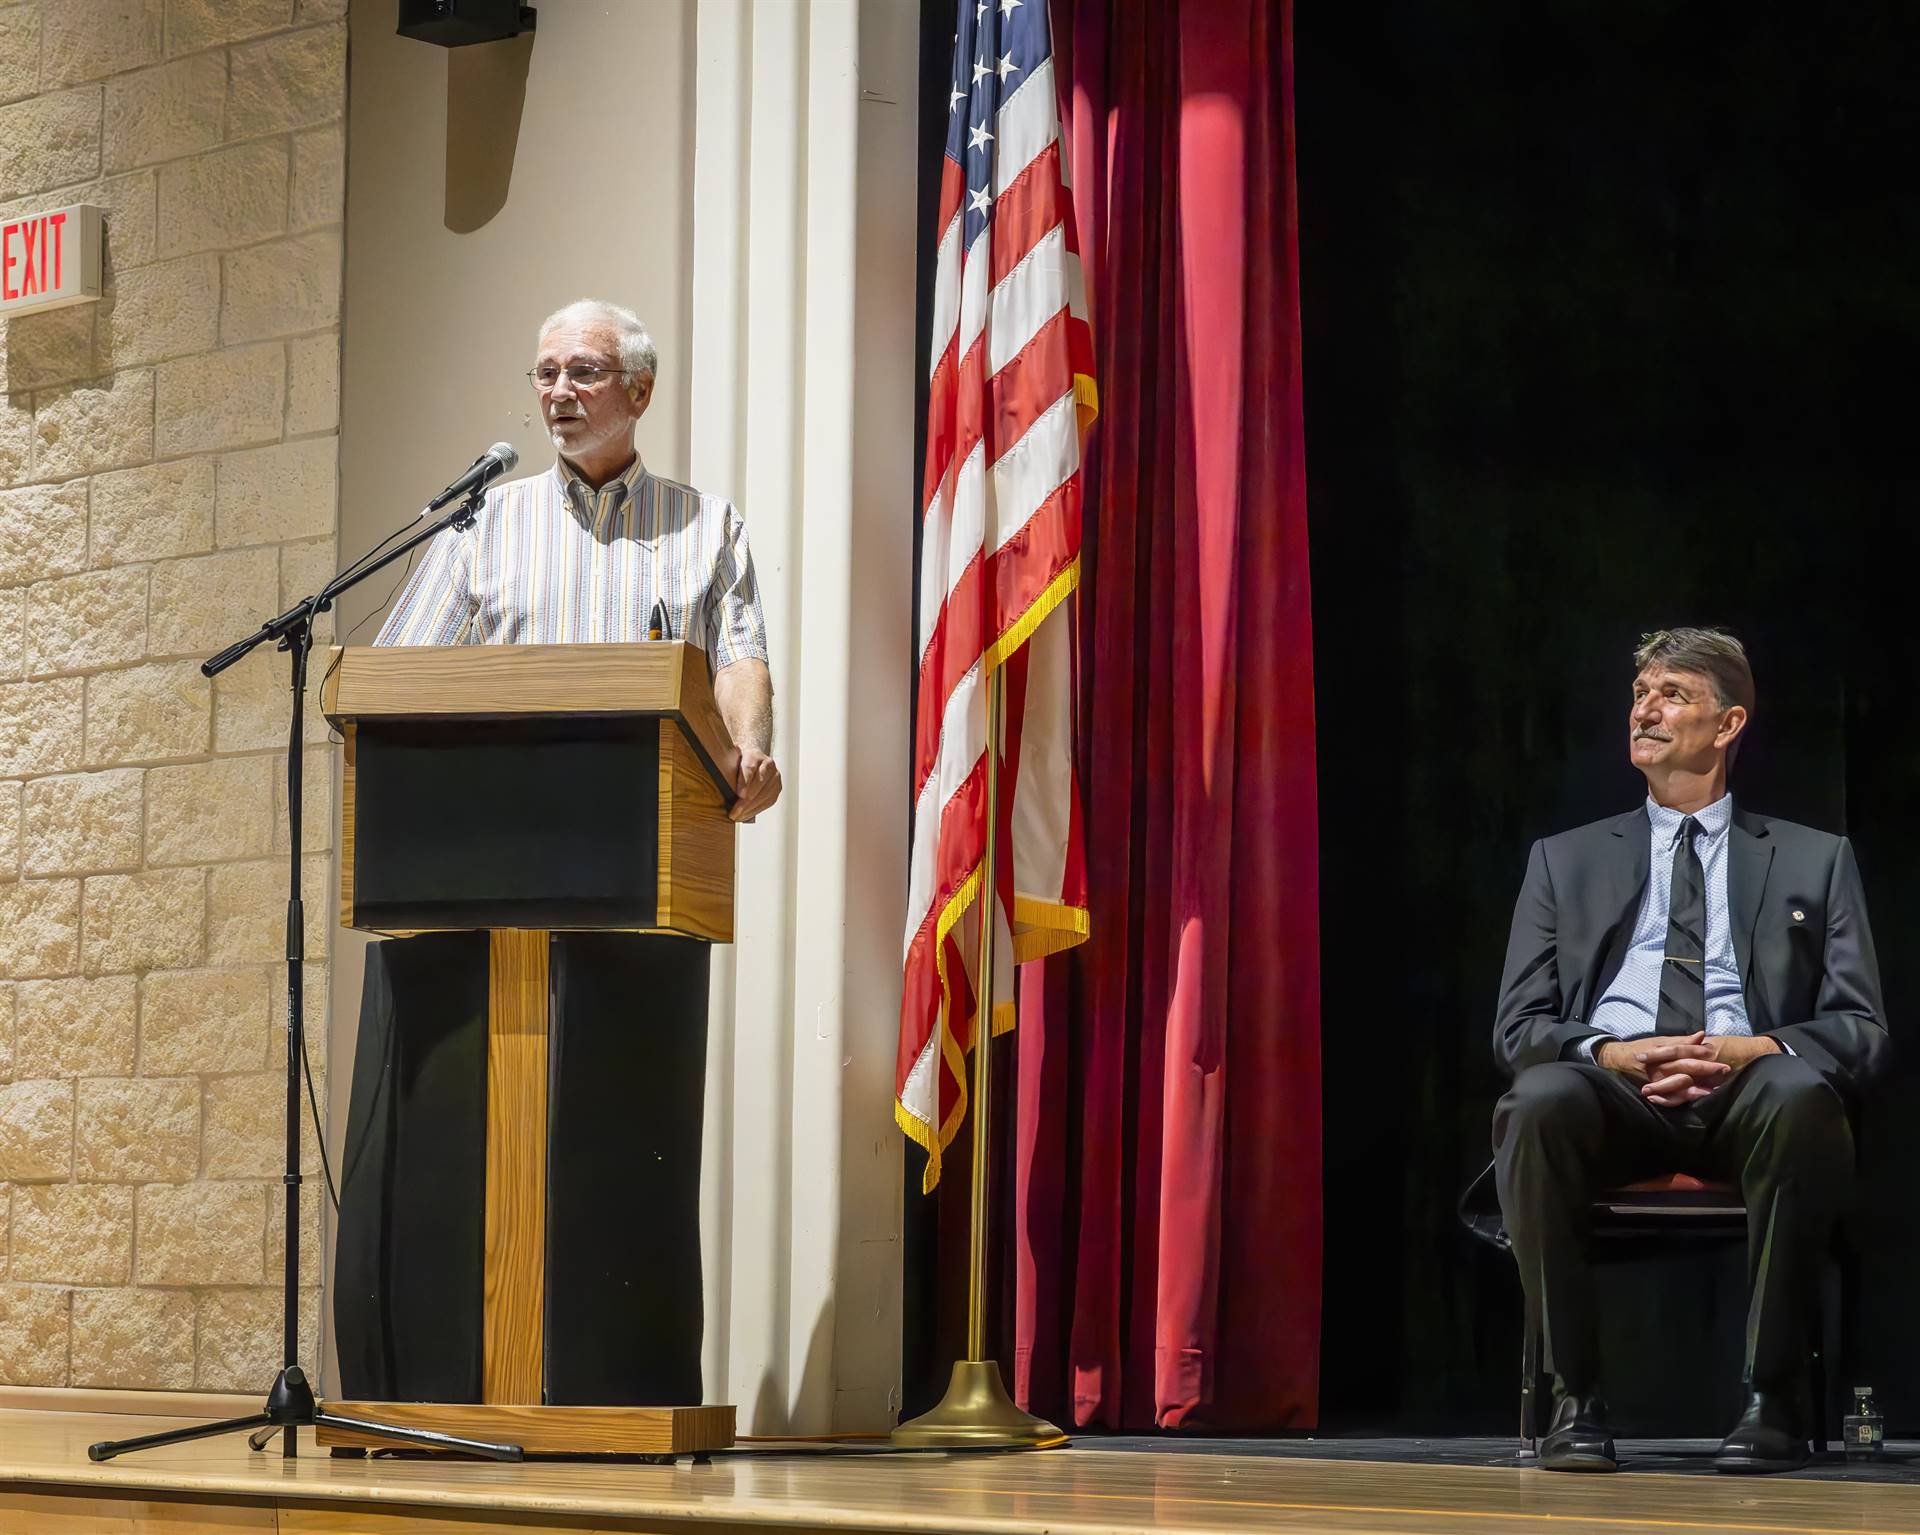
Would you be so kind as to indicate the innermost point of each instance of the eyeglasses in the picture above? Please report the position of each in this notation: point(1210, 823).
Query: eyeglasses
point(580, 374)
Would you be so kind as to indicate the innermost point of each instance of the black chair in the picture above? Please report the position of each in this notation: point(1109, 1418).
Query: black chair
point(1655, 1211)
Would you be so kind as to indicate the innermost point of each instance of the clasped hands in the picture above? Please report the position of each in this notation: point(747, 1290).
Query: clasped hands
point(1683, 1069)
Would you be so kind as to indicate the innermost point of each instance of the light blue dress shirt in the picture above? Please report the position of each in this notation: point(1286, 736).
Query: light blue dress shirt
point(1631, 1004)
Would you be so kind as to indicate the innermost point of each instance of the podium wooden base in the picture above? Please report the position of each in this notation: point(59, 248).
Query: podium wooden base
point(548, 1430)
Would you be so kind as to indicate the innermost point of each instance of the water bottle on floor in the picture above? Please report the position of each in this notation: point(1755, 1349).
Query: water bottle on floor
point(1865, 1429)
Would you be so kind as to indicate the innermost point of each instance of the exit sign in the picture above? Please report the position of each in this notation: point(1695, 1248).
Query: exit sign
point(49, 260)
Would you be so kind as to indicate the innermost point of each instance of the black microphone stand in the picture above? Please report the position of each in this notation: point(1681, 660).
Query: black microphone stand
point(291, 1403)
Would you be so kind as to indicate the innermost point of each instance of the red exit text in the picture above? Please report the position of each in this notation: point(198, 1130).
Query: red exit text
point(32, 256)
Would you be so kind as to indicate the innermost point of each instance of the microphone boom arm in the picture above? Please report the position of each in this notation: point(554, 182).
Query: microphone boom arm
point(307, 608)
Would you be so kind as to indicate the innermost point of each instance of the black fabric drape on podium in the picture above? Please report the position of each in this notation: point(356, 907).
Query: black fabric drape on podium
point(626, 1084)
point(627, 1089)
point(407, 1284)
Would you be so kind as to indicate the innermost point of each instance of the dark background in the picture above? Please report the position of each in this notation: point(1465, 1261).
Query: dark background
point(1610, 324)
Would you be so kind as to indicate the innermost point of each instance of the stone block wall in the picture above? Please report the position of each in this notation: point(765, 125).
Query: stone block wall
point(167, 477)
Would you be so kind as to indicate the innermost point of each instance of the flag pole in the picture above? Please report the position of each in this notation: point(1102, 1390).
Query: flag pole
point(976, 1413)
point(982, 1193)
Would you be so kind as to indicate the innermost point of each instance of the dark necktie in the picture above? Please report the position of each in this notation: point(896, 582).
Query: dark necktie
point(1683, 976)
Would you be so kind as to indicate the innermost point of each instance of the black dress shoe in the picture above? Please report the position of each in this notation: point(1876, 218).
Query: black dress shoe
point(1579, 1439)
point(1767, 1437)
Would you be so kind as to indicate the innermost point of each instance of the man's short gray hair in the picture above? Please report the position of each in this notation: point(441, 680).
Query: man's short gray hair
point(632, 342)
point(1712, 653)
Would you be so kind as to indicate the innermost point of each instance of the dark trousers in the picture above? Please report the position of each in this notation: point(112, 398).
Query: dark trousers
point(626, 1082)
point(1567, 1130)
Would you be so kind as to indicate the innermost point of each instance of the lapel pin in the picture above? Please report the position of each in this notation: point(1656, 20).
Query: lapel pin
point(1799, 916)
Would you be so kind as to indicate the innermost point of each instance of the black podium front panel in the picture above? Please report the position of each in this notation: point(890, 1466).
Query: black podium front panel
point(529, 822)
point(625, 1105)
point(627, 1080)
point(407, 1287)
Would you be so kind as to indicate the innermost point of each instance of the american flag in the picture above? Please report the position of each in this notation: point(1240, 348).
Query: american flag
point(1011, 394)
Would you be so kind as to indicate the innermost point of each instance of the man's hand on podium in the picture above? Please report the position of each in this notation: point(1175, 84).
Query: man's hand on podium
point(744, 692)
point(756, 780)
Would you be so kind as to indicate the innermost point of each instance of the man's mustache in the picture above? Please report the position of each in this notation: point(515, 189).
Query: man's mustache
point(1651, 735)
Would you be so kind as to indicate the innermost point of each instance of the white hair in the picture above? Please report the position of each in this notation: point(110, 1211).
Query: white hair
point(638, 358)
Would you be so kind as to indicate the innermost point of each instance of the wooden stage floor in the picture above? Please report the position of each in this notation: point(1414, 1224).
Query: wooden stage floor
point(48, 1487)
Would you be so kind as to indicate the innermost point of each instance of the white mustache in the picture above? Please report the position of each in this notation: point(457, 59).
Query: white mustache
point(1650, 735)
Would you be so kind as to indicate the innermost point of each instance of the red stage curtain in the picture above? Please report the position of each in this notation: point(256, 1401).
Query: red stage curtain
point(1167, 1164)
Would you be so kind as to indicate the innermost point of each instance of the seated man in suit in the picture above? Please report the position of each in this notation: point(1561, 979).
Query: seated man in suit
point(1688, 988)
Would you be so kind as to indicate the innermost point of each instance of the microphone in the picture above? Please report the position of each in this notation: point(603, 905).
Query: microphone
point(489, 466)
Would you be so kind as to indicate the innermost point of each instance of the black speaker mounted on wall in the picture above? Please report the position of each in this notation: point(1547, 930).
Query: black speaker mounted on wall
point(457, 23)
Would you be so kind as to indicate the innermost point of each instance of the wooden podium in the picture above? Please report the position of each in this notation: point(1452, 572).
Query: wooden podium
point(451, 821)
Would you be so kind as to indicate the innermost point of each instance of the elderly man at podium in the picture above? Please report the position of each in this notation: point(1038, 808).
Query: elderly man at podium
point(598, 548)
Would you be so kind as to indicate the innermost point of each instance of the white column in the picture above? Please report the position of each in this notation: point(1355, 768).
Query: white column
point(880, 627)
point(790, 349)
point(823, 743)
point(715, 415)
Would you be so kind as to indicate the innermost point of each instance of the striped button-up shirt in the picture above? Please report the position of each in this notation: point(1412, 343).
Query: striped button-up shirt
point(550, 561)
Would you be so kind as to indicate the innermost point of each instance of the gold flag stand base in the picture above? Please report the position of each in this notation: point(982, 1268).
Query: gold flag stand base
point(977, 1414)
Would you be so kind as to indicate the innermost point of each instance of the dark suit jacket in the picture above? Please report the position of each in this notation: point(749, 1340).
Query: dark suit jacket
point(1800, 936)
